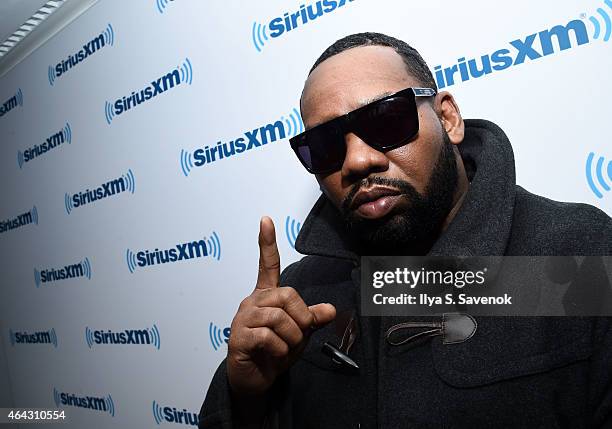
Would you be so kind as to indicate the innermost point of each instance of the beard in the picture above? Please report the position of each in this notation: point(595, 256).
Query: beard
point(415, 229)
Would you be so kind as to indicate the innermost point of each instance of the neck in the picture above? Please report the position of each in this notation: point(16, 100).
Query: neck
point(462, 187)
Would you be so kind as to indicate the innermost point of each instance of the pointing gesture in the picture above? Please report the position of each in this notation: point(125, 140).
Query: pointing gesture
point(269, 259)
point(272, 325)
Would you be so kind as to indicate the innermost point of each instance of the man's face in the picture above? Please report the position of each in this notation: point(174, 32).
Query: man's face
point(392, 201)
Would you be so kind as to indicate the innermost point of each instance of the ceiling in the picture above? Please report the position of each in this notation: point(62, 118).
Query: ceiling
point(13, 13)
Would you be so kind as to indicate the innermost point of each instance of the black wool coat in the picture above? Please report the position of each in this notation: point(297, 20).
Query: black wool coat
point(515, 372)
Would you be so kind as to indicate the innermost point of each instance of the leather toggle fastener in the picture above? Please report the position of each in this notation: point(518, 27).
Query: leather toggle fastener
point(454, 328)
point(347, 329)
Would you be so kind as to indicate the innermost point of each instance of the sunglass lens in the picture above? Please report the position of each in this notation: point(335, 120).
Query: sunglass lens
point(389, 123)
point(322, 149)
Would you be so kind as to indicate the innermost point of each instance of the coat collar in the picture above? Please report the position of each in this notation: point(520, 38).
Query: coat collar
point(482, 224)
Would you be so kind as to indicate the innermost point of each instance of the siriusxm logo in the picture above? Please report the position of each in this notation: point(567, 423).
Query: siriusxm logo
point(180, 252)
point(24, 219)
point(81, 269)
point(292, 20)
point(292, 229)
point(218, 336)
point(39, 337)
point(96, 403)
point(531, 47)
point(62, 136)
point(125, 183)
point(284, 127)
point(148, 336)
point(172, 415)
point(105, 38)
point(605, 16)
point(598, 171)
point(183, 74)
point(162, 4)
point(11, 103)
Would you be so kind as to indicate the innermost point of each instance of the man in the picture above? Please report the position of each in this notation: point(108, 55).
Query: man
point(406, 175)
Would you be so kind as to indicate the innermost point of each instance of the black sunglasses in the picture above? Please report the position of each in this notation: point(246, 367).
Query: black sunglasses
point(384, 124)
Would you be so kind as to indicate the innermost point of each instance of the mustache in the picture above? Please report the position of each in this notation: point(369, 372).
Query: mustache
point(401, 185)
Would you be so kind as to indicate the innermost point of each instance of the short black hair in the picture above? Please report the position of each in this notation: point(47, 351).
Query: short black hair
point(417, 67)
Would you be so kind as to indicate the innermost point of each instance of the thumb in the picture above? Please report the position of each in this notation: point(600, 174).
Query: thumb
point(323, 314)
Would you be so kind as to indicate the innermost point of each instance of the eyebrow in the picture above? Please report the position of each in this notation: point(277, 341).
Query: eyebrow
point(375, 98)
point(362, 103)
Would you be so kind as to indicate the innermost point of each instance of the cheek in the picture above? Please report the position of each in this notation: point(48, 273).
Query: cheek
point(415, 161)
point(332, 187)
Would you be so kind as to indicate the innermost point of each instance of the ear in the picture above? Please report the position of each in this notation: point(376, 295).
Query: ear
point(450, 117)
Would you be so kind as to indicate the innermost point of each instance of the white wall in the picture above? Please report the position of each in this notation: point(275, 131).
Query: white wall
point(555, 111)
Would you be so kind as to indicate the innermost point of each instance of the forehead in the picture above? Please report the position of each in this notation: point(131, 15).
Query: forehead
point(351, 79)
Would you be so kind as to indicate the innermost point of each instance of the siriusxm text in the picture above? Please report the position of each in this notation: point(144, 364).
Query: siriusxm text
point(42, 337)
point(67, 272)
point(156, 87)
point(51, 142)
point(105, 190)
point(519, 51)
point(172, 415)
point(305, 14)
point(252, 139)
point(180, 252)
point(128, 336)
point(90, 402)
point(17, 222)
point(8, 105)
point(81, 55)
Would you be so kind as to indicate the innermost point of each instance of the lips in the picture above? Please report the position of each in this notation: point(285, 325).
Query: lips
point(375, 202)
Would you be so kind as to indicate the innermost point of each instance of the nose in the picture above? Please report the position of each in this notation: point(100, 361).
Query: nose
point(361, 160)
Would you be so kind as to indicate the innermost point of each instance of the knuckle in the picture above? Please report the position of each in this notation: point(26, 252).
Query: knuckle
point(309, 319)
point(238, 340)
point(289, 294)
point(245, 303)
point(234, 342)
point(257, 340)
point(274, 316)
point(279, 349)
point(299, 337)
point(283, 349)
point(237, 322)
point(265, 336)
point(272, 265)
point(306, 320)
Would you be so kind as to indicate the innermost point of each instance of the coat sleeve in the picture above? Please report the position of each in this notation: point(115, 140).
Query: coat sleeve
point(601, 377)
point(216, 411)
point(601, 361)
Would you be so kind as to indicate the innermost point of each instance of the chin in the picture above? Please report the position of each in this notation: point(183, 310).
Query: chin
point(396, 233)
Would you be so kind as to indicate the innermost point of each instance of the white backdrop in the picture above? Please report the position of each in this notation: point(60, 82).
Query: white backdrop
point(233, 77)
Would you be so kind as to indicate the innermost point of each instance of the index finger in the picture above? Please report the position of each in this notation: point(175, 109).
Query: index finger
point(269, 259)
